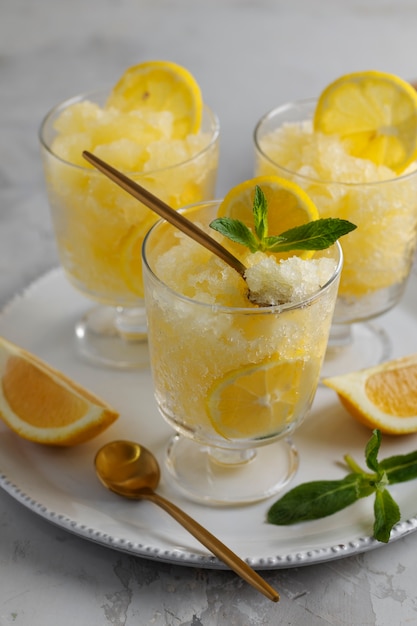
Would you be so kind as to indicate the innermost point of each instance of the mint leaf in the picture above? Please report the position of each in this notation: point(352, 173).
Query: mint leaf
point(382, 481)
point(372, 449)
point(387, 514)
point(400, 468)
point(315, 235)
point(236, 231)
point(317, 499)
point(260, 213)
point(314, 500)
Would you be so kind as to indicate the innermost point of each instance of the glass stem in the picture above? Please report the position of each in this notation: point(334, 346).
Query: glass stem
point(131, 323)
point(230, 458)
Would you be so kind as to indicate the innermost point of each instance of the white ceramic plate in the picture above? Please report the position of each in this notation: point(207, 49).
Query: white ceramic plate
point(60, 484)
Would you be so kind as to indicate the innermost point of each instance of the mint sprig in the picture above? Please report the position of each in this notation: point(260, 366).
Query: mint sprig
point(317, 499)
point(315, 235)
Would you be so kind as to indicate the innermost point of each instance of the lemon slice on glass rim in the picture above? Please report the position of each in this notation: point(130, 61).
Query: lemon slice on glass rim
point(157, 86)
point(375, 113)
point(288, 206)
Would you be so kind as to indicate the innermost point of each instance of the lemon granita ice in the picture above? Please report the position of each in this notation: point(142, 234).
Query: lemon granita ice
point(287, 281)
point(386, 214)
point(206, 335)
point(354, 152)
point(196, 273)
point(154, 126)
point(236, 350)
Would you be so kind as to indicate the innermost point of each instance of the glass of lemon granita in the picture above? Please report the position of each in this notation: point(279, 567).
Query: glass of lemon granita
point(233, 378)
point(170, 147)
point(381, 202)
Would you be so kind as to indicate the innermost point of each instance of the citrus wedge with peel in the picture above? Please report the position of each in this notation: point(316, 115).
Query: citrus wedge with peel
point(376, 113)
point(288, 206)
point(255, 400)
point(158, 86)
point(383, 397)
point(43, 405)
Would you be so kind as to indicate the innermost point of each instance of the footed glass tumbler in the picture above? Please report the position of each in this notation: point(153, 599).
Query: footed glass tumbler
point(234, 381)
point(378, 255)
point(100, 228)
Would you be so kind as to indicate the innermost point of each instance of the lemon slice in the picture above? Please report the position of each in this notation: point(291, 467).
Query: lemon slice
point(288, 206)
point(41, 404)
point(161, 86)
point(376, 113)
point(384, 396)
point(131, 255)
point(255, 400)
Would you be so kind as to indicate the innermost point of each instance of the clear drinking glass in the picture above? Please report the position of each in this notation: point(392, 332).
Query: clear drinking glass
point(378, 255)
point(233, 381)
point(100, 228)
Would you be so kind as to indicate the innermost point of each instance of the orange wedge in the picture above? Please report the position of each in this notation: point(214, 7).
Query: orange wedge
point(41, 404)
point(383, 397)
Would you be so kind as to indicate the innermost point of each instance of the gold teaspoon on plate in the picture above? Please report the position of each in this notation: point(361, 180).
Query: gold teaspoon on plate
point(132, 471)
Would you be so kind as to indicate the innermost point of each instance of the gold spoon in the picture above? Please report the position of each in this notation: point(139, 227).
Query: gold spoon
point(164, 210)
point(132, 471)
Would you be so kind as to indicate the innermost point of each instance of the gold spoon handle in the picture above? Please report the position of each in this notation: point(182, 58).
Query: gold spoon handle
point(164, 210)
point(214, 545)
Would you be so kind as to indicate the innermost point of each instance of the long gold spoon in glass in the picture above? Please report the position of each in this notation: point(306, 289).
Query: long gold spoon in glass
point(164, 210)
point(132, 471)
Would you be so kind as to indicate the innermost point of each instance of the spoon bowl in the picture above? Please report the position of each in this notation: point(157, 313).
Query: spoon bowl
point(126, 468)
point(130, 470)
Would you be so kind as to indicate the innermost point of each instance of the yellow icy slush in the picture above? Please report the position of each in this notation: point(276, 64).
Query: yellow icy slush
point(226, 369)
point(354, 152)
point(154, 127)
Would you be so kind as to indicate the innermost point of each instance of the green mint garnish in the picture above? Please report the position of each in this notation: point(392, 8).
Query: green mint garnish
point(317, 499)
point(315, 235)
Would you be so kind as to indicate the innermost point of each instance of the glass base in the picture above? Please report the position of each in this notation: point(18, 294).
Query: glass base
point(230, 477)
point(113, 337)
point(353, 347)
